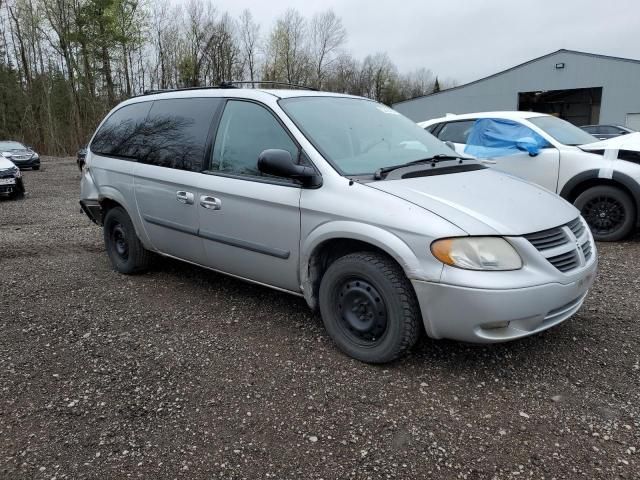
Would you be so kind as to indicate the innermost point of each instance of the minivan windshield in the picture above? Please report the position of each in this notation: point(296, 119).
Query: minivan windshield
point(563, 131)
point(359, 136)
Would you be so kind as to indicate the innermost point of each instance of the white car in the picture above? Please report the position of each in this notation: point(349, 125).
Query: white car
point(601, 178)
point(10, 179)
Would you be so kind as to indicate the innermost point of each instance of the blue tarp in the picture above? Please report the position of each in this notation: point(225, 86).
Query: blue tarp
point(494, 137)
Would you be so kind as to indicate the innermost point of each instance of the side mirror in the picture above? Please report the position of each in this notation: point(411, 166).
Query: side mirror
point(280, 164)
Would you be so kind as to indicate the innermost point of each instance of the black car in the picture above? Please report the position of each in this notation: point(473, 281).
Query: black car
point(604, 132)
point(20, 154)
point(82, 156)
point(11, 183)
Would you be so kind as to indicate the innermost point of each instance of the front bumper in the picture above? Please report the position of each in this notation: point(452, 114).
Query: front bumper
point(11, 189)
point(30, 163)
point(480, 315)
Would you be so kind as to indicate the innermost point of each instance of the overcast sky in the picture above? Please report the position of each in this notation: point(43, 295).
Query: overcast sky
point(464, 39)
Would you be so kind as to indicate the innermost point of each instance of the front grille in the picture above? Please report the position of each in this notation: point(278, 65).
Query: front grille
point(547, 239)
point(587, 250)
point(566, 247)
point(21, 157)
point(577, 227)
point(565, 261)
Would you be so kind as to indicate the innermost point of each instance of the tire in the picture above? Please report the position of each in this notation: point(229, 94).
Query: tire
point(19, 192)
point(125, 250)
point(609, 211)
point(369, 307)
point(36, 167)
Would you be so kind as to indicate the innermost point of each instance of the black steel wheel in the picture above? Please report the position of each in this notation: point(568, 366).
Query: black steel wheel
point(609, 211)
point(369, 307)
point(361, 311)
point(119, 239)
point(126, 252)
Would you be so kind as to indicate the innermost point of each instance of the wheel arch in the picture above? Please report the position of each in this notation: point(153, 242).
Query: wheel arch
point(585, 180)
point(110, 198)
point(336, 239)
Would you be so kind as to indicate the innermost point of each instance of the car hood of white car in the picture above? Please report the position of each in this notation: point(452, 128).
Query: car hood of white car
point(484, 202)
point(623, 142)
point(6, 163)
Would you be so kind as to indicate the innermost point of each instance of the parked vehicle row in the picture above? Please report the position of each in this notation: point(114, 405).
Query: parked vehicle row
point(601, 178)
point(343, 201)
point(21, 155)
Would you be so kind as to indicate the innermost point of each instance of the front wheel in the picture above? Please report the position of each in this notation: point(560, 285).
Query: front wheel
point(126, 252)
point(369, 307)
point(609, 211)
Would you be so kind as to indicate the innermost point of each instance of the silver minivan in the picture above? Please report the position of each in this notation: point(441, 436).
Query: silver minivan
point(341, 200)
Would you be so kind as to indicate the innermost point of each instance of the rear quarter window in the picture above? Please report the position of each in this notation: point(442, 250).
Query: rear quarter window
point(122, 134)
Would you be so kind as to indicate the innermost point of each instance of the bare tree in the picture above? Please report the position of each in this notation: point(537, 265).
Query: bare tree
point(250, 38)
point(327, 36)
point(288, 49)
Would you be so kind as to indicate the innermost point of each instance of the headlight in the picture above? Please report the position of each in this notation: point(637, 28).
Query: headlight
point(17, 172)
point(6, 154)
point(477, 253)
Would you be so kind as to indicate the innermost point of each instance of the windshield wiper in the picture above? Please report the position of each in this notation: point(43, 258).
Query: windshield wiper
point(378, 175)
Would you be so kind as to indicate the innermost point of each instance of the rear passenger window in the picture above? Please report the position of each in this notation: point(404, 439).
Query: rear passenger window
point(456, 132)
point(121, 135)
point(177, 131)
point(246, 130)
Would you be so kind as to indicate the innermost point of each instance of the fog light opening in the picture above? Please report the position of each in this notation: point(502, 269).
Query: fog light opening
point(495, 325)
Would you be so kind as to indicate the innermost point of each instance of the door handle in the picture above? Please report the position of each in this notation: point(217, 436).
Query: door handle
point(185, 197)
point(212, 203)
point(488, 162)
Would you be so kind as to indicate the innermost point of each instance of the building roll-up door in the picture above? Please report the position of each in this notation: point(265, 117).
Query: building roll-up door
point(633, 121)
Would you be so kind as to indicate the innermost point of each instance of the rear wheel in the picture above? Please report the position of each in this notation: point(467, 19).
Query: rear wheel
point(126, 252)
point(369, 308)
point(609, 211)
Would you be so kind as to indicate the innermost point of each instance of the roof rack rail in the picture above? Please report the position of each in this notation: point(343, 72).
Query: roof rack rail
point(264, 82)
point(165, 90)
point(228, 85)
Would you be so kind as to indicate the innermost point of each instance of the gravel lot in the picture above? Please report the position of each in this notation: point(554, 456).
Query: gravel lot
point(183, 373)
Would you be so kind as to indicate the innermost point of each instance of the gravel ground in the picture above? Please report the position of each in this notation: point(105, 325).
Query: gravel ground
point(183, 373)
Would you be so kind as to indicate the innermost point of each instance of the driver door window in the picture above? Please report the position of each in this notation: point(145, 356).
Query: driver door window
point(246, 130)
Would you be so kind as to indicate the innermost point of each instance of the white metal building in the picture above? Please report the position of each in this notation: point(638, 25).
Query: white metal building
point(583, 88)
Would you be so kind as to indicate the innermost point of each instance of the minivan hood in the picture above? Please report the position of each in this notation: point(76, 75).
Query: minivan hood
point(484, 202)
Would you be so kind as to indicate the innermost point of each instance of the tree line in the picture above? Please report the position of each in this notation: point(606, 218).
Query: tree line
point(65, 63)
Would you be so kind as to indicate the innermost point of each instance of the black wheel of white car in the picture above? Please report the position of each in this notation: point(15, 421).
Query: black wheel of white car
point(125, 250)
point(609, 211)
point(369, 308)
